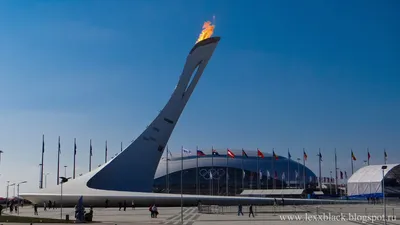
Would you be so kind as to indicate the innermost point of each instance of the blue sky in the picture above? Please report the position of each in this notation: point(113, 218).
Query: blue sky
point(314, 74)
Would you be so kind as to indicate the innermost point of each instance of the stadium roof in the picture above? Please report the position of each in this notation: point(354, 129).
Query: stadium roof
point(373, 173)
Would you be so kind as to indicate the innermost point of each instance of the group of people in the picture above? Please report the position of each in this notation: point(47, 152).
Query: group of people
point(240, 210)
point(120, 205)
point(373, 200)
point(153, 211)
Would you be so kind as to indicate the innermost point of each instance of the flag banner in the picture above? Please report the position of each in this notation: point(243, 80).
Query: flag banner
point(369, 156)
point(91, 150)
point(187, 151)
point(289, 155)
point(244, 174)
point(74, 147)
point(305, 155)
point(230, 153)
point(59, 146)
point(345, 174)
point(320, 156)
point(296, 174)
point(385, 154)
point(261, 175)
point(283, 175)
point(353, 157)
point(341, 175)
point(214, 152)
point(310, 179)
point(268, 175)
point(274, 154)
point(244, 154)
point(200, 153)
point(211, 176)
point(260, 154)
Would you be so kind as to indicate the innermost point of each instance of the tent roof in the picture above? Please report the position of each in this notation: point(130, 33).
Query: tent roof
point(273, 192)
point(373, 173)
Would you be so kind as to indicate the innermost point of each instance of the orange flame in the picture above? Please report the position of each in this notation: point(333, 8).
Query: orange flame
point(207, 31)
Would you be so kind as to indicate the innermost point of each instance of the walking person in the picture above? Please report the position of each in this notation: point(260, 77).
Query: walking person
point(119, 205)
point(35, 212)
point(133, 205)
point(240, 210)
point(124, 205)
point(251, 211)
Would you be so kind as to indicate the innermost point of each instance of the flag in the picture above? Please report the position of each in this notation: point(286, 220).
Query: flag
point(260, 154)
point(268, 175)
point(261, 175)
point(74, 146)
point(59, 145)
point(170, 154)
point(43, 144)
point(187, 151)
point(214, 152)
point(244, 154)
point(305, 155)
point(230, 153)
point(200, 153)
point(283, 176)
point(320, 156)
point(385, 154)
point(106, 148)
point(310, 179)
point(289, 155)
point(296, 174)
point(345, 174)
point(369, 156)
point(244, 174)
point(341, 175)
point(274, 155)
point(91, 149)
point(211, 177)
point(353, 157)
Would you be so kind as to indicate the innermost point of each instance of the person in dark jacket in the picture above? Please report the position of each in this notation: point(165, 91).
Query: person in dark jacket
point(240, 210)
point(251, 211)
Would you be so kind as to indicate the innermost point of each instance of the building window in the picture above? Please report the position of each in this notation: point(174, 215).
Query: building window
point(168, 120)
point(156, 129)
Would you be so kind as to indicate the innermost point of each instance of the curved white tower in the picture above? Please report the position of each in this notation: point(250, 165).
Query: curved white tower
point(134, 168)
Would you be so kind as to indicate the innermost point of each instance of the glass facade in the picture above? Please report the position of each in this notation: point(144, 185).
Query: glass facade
point(213, 180)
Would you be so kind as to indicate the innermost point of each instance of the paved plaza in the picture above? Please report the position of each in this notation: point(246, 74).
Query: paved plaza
point(304, 214)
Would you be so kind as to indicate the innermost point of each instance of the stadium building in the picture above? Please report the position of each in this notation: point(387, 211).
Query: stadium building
point(214, 170)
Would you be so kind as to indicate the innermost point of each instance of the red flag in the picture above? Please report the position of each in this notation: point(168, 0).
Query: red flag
point(369, 156)
point(230, 153)
point(260, 154)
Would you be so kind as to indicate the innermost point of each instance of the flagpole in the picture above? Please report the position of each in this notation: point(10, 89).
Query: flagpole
point(304, 170)
point(182, 185)
point(227, 188)
point(258, 171)
point(351, 158)
point(288, 168)
point(167, 178)
point(212, 169)
point(243, 174)
point(58, 161)
point(336, 174)
point(197, 171)
point(272, 166)
point(320, 172)
point(41, 172)
point(90, 156)
point(73, 174)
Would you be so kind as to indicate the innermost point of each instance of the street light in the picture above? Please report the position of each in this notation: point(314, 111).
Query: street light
point(13, 184)
point(383, 193)
point(8, 185)
point(23, 182)
point(45, 180)
point(63, 180)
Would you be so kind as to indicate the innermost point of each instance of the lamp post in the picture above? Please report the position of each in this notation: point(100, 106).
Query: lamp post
point(13, 184)
point(383, 193)
point(63, 180)
point(45, 180)
point(23, 182)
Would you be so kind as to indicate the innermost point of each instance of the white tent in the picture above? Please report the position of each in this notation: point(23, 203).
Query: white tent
point(368, 180)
